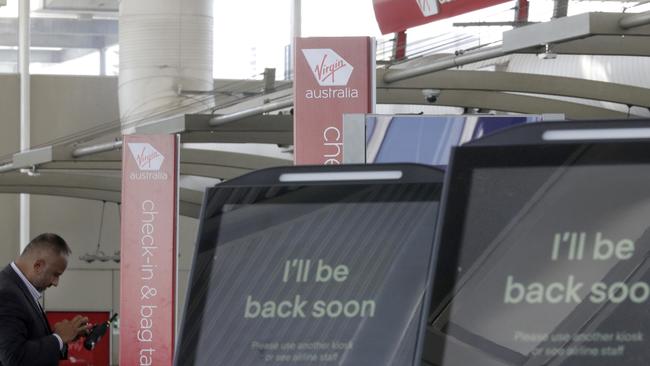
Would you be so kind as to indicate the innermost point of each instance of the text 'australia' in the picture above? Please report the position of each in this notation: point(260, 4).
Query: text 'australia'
point(332, 93)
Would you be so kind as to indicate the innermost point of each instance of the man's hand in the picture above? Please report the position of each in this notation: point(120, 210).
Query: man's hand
point(70, 330)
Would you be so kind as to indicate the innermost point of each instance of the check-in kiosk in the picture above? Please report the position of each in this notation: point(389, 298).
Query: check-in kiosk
point(326, 265)
point(543, 249)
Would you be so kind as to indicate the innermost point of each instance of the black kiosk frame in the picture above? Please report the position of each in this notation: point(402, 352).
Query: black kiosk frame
point(543, 248)
point(322, 265)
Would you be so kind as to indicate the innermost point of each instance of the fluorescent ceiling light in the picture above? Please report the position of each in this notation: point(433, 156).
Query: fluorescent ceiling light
point(46, 48)
point(15, 48)
point(341, 176)
point(597, 134)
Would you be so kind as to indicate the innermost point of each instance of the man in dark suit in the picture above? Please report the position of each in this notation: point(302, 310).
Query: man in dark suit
point(25, 335)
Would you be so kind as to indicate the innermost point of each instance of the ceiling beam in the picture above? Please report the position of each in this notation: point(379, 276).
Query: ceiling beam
point(98, 27)
point(86, 186)
point(205, 163)
point(57, 41)
point(524, 83)
point(62, 32)
point(570, 28)
point(500, 102)
point(534, 38)
point(44, 56)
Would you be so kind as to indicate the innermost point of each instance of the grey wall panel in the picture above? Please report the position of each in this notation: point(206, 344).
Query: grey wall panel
point(9, 144)
point(63, 105)
point(10, 117)
point(78, 222)
point(183, 280)
point(81, 290)
point(9, 246)
point(188, 228)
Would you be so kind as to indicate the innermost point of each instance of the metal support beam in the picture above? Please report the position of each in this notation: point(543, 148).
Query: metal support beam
point(463, 59)
point(24, 45)
point(294, 32)
point(7, 167)
point(262, 128)
point(500, 102)
point(216, 121)
point(494, 24)
point(530, 38)
point(32, 157)
point(560, 8)
point(86, 186)
point(44, 56)
point(102, 61)
point(635, 20)
point(95, 149)
point(63, 33)
point(60, 41)
point(525, 83)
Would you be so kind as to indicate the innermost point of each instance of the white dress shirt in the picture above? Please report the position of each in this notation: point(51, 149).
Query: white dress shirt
point(35, 294)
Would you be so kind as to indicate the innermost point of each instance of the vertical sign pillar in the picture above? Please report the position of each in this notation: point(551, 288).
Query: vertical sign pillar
point(399, 46)
point(333, 76)
point(148, 249)
point(521, 12)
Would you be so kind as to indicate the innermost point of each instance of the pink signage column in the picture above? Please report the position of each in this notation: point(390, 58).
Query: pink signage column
point(148, 249)
point(332, 76)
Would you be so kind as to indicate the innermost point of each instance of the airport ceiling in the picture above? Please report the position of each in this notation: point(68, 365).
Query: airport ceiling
point(88, 166)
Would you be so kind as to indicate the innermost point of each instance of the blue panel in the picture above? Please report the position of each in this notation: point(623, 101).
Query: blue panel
point(429, 139)
point(488, 125)
point(425, 140)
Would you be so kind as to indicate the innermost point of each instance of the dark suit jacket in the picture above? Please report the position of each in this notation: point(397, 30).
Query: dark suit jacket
point(25, 335)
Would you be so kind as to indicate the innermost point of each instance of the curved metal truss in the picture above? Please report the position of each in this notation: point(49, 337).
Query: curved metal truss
point(62, 169)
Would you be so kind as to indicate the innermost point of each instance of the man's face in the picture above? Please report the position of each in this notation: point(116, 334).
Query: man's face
point(47, 270)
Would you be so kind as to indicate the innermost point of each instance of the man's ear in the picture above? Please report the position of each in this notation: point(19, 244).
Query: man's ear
point(39, 265)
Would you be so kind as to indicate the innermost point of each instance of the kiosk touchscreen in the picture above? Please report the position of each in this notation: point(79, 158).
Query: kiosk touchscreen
point(544, 248)
point(313, 266)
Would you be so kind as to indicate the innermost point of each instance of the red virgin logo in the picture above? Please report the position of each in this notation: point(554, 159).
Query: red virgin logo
point(325, 71)
point(146, 156)
point(328, 67)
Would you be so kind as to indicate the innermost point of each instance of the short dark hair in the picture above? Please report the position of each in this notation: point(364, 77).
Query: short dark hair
point(48, 241)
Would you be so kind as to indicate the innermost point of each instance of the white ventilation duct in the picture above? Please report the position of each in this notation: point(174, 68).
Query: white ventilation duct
point(165, 57)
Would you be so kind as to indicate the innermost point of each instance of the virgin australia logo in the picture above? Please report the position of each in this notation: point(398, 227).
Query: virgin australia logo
point(428, 7)
point(146, 156)
point(328, 67)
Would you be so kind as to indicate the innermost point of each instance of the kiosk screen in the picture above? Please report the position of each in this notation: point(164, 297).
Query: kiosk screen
point(544, 257)
point(322, 273)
